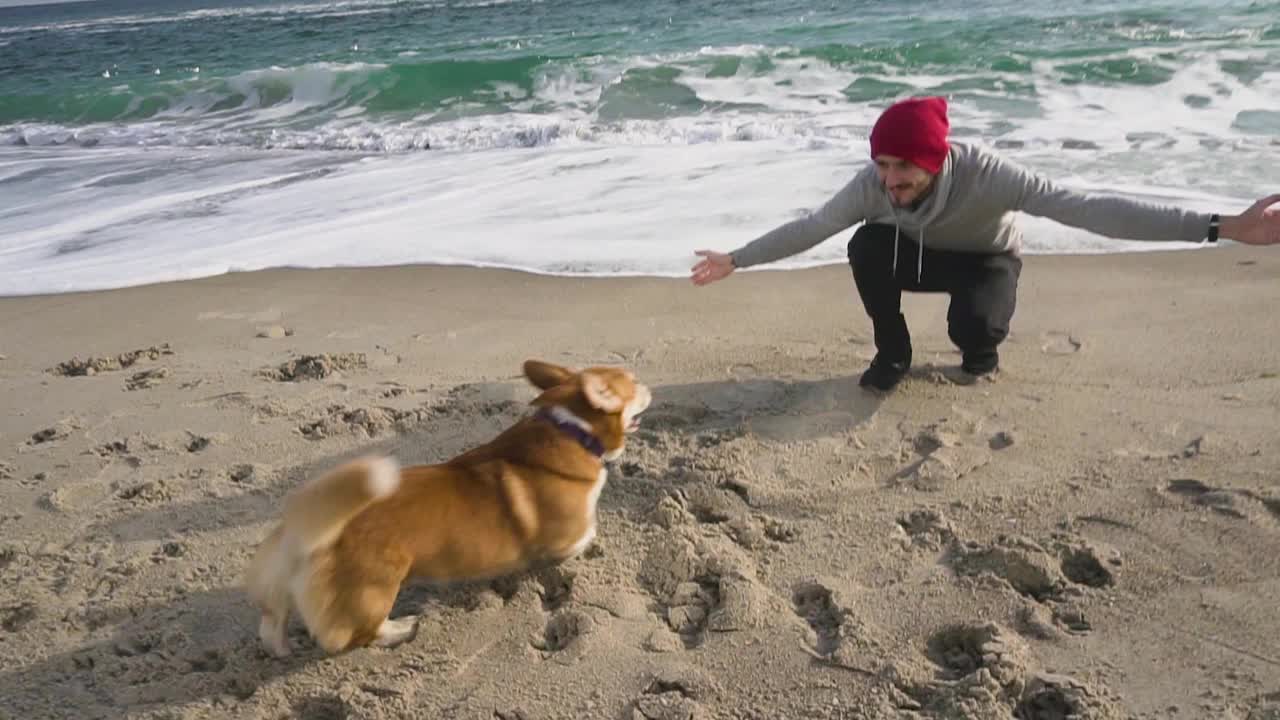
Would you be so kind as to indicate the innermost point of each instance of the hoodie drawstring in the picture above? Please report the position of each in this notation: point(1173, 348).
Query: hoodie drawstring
point(897, 230)
point(920, 257)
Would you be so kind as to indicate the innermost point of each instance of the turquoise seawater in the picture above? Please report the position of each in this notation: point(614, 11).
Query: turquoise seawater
point(296, 74)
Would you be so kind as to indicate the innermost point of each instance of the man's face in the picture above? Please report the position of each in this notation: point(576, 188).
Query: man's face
point(905, 181)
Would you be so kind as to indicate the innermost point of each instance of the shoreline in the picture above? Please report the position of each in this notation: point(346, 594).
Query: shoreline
point(569, 275)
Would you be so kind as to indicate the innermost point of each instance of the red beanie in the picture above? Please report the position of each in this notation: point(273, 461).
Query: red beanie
point(915, 130)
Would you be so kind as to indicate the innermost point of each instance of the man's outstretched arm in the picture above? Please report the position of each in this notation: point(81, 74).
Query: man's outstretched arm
point(845, 209)
point(1124, 218)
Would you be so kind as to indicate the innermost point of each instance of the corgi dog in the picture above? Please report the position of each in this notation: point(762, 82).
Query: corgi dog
point(348, 538)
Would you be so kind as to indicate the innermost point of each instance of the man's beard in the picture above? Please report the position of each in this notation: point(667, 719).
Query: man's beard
point(914, 202)
point(894, 195)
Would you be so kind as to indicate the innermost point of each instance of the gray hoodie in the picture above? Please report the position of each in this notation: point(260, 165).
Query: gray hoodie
point(971, 210)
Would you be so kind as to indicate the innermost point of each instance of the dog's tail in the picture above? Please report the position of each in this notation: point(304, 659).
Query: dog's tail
point(315, 515)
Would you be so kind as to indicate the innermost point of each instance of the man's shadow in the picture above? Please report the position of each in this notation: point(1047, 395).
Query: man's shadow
point(204, 645)
point(777, 410)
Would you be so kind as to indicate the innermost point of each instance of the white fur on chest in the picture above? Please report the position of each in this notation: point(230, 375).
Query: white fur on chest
point(592, 498)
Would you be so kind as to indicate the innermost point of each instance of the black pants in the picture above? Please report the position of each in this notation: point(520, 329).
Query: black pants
point(983, 291)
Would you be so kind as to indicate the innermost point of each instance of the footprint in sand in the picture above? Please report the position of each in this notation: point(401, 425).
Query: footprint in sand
point(367, 422)
point(392, 389)
point(666, 698)
point(690, 606)
point(316, 367)
point(632, 358)
point(1032, 570)
point(1055, 342)
point(1037, 621)
point(944, 467)
point(1002, 440)
point(712, 504)
point(815, 605)
point(1023, 564)
point(50, 434)
point(1051, 697)
point(274, 332)
point(15, 617)
point(147, 492)
point(197, 443)
point(962, 650)
point(727, 505)
point(980, 670)
point(1080, 564)
point(208, 661)
point(555, 586)
point(117, 449)
point(1044, 622)
point(781, 531)
point(146, 379)
point(74, 497)
point(927, 528)
point(1071, 619)
point(670, 512)
point(322, 707)
point(701, 592)
point(563, 629)
point(94, 365)
point(1231, 502)
point(169, 550)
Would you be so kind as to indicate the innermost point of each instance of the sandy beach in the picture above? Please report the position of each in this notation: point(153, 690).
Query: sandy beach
point(1093, 534)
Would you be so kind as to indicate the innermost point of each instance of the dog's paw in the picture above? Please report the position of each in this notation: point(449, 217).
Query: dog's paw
point(272, 634)
point(394, 632)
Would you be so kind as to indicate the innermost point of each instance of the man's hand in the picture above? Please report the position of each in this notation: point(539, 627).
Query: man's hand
point(713, 266)
point(1259, 225)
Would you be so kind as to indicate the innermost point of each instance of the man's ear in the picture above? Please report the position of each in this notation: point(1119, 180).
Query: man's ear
point(599, 394)
point(545, 375)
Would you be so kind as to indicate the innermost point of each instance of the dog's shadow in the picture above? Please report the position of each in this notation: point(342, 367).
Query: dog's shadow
point(159, 654)
point(204, 645)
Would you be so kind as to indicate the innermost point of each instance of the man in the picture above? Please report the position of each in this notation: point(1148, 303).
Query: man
point(939, 218)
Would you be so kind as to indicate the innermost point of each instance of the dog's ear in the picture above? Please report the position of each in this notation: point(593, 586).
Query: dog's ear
point(545, 375)
point(599, 394)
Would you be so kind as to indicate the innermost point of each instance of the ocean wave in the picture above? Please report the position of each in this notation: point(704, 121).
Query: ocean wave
point(828, 94)
point(377, 88)
point(478, 134)
point(316, 10)
point(644, 86)
point(533, 131)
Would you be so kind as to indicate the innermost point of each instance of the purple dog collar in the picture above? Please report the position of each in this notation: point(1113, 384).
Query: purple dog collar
point(573, 430)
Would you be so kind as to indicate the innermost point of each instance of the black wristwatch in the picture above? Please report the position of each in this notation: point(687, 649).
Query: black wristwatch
point(1214, 221)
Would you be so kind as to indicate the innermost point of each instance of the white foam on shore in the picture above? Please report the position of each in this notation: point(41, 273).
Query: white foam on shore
point(631, 210)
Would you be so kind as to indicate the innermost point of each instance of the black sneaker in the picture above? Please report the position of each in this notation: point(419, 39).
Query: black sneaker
point(884, 375)
point(980, 363)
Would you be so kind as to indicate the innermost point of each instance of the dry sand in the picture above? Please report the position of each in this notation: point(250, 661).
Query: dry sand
point(1095, 532)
